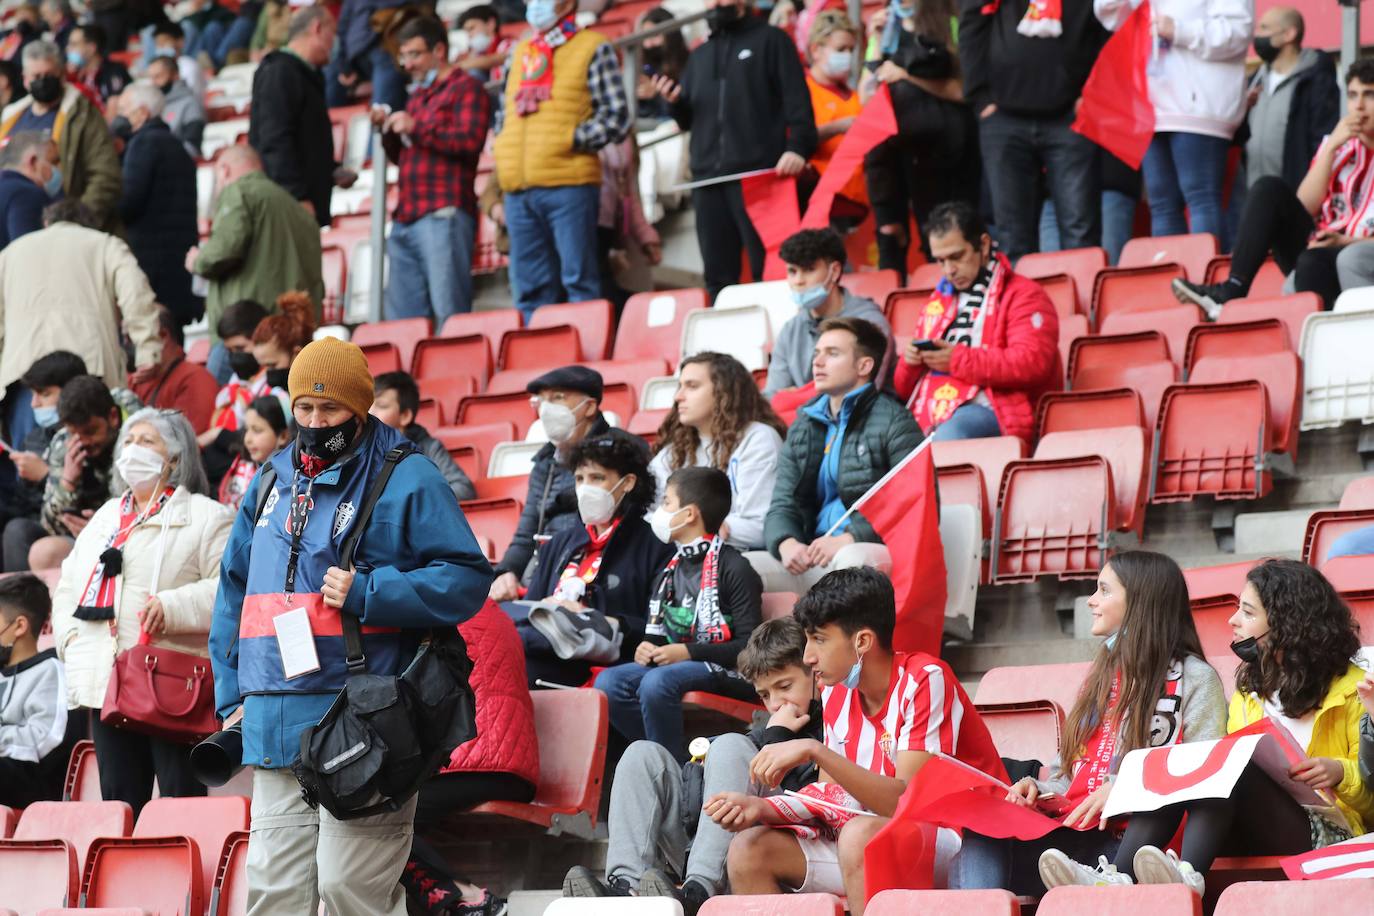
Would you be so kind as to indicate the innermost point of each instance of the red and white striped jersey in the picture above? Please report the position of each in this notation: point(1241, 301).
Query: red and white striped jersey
point(1349, 204)
point(926, 710)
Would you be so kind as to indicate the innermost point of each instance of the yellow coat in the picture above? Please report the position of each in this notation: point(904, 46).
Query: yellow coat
point(1335, 734)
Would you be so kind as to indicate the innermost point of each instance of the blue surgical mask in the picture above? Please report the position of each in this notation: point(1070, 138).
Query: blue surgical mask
point(851, 680)
point(45, 417)
point(164, 52)
point(479, 43)
point(74, 60)
point(542, 15)
point(810, 297)
point(425, 81)
point(53, 186)
point(838, 63)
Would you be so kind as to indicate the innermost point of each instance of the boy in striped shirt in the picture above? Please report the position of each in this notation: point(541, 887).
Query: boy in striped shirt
point(885, 715)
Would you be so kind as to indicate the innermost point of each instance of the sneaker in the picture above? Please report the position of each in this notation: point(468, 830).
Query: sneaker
point(1058, 870)
point(1154, 866)
point(692, 894)
point(581, 881)
point(1209, 297)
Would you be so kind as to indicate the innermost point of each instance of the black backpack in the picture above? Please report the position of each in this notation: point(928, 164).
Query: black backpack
point(385, 735)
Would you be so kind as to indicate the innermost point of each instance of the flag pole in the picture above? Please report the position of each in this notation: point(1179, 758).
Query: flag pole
point(858, 503)
point(723, 179)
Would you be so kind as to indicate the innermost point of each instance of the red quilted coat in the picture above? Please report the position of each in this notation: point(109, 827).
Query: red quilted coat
point(505, 741)
point(1019, 358)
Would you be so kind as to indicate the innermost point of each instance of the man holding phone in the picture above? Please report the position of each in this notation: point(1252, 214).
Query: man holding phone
point(1309, 232)
point(986, 345)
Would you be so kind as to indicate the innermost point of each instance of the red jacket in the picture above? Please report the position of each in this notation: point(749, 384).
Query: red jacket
point(1018, 360)
point(505, 741)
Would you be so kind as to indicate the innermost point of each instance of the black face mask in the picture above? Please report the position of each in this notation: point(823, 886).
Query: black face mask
point(244, 364)
point(1247, 650)
point(167, 89)
point(722, 17)
point(121, 128)
point(1265, 50)
point(45, 89)
point(278, 378)
point(328, 442)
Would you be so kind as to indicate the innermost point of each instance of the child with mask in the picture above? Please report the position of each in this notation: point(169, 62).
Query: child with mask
point(33, 698)
point(885, 714)
point(267, 427)
point(705, 603)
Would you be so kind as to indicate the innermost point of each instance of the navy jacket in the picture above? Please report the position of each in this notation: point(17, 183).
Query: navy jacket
point(288, 124)
point(158, 207)
point(417, 566)
point(22, 203)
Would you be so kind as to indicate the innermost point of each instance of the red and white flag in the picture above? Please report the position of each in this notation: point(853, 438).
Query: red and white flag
point(1352, 859)
point(1116, 112)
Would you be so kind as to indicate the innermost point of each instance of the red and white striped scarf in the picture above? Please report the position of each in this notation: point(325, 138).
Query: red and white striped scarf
point(97, 599)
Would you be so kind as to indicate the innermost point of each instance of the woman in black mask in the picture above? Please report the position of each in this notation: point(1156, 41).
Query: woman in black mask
point(664, 55)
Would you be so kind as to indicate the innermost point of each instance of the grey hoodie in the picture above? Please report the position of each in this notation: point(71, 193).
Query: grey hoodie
point(1269, 120)
point(790, 366)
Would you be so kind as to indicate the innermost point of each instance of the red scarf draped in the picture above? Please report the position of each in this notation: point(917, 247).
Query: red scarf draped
point(536, 67)
point(97, 599)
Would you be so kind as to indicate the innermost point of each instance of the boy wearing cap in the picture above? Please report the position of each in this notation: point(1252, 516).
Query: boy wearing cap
point(568, 404)
point(417, 567)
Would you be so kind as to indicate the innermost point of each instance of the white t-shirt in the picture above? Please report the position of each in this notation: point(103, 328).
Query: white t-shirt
point(1300, 728)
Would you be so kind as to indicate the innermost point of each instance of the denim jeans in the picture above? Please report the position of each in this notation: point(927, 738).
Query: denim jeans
point(988, 862)
point(430, 268)
point(1357, 543)
point(970, 421)
point(1118, 220)
point(646, 703)
point(217, 364)
point(388, 83)
point(219, 38)
point(553, 245)
point(1185, 170)
point(1015, 150)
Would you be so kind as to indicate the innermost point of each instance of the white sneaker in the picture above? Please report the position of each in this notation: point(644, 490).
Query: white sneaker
point(1058, 870)
point(1154, 866)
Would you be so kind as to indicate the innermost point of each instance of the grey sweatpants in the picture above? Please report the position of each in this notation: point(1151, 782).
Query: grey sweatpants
point(1355, 266)
point(298, 856)
point(645, 821)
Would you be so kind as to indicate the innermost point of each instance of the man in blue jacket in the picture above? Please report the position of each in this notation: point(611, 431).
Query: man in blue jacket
point(417, 566)
point(29, 180)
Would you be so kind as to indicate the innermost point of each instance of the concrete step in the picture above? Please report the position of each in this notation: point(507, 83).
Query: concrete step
point(1273, 534)
point(531, 903)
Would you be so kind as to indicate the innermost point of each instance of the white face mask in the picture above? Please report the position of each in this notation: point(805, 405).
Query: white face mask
point(662, 524)
point(140, 466)
point(558, 419)
point(595, 505)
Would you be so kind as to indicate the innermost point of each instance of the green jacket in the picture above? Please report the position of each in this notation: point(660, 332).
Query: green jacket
point(263, 243)
point(880, 433)
point(90, 166)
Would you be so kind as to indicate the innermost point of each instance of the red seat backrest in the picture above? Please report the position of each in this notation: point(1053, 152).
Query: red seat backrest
point(593, 320)
point(1105, 355)
point(1053, 518)
point(1149, 380)
point(903, 306)
point(1064, 411)
point(483, 437)
point(1134, 289)
point(490, 323)
point(405, 333)
point(83, 776)
point(651, 325)
point(774, 905)
point(1323, 528)
point(546, 347)
point(162, 875)
point(944, 903)
point(1291, 310)
point(485, 409)
point(1241, 338)
point(1281, 374)
point(990, 456)
point(1028, 730)
point(871, 284)
point(1211, 438)
point(444, 356)
point(1211, 581)
point(334, 264)
point(493, 518)
point(1359, 494)
point(382, 358)
point(1025, 683)
point(1063, 292)
point(1080, 263)
point(209, 821)
point(77, 822)
point(229, 896)
point(1135, 900)
point(571, 726)
point(38, 874)
point(1246, 898)
point(778, 604)
point(447, 391)
point(1173, 323)
point(1127, 450)
point(1193, 252)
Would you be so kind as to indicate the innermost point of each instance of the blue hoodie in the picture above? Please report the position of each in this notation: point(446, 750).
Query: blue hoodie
point(417, 566)
point(828, 485)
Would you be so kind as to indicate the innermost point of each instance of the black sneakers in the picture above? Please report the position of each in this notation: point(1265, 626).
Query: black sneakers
point(581, 881)
point(1208, 296)
point(656, 883)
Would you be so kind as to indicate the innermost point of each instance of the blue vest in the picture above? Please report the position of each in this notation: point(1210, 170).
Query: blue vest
point(336, 496)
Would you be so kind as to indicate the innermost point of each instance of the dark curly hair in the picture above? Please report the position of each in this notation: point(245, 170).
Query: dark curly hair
point(617, 450)
point(809, 247)
point(1311, 641)
point(737, 403)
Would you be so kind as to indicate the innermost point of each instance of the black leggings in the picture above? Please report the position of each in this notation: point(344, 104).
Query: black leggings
point(1275, 220)
point(1259, 819)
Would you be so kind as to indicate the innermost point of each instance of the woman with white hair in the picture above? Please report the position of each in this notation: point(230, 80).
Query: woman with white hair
point(148, 561)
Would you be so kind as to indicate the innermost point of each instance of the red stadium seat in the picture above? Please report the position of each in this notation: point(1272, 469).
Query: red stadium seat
point(490, 323)
point(1127, 451)
point(903, 306)
point(1251, 897)
point(742, 710)
point(1099, 356)
point(620, 399)
point(485, 409)
point(36, 874)
point(987, 458)
point(515, 486)
point(161, 875)
point(8, 818)
point(645, 424)
point(334, 264)
point(1135, 900)
point(1066, 411)
point(444, 356)
point(1134, 289)
point(405, 333)
point(774, 905)
point(594, 320)
point(381, 358)
point(493, 518)
point(1029, 683)
point(651, 325)
point(229, 894)
point(1029, 730)
point(541, 348)
point(1080, 263)
point(634, 372)
point(1323, 528)
point(571, 726)
point(962, 485)
point(944, 903)
point(1349, 574)
point(513, 380)
point(481, 437)
point(871, 284)
point(924, 276)
point(1212, 617)
point(207, 821)
point(1071, 327)
point(1211, 441)
point(1268, 283)
point(1053, 518)
point(76, 822)
point(1173, 323)
point(1291, 310)
point(429, 414)
point(1281, 374)
point(447, 391)
point(83, 777)
point(1359, 494)
point(1207, 582)
point(1193, 252)
point(1241, 338)
point(1063, 292)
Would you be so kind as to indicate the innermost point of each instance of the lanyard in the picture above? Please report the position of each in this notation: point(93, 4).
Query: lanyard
point(301, 504)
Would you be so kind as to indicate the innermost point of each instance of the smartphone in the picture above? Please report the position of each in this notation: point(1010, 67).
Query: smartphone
point(926, 345)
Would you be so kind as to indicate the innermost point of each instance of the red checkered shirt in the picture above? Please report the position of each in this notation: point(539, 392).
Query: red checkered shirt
point(438, 168)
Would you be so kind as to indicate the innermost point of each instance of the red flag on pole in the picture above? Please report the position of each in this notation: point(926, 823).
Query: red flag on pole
point(1116, 112)
point(874, 124)
point(771, 203)
point(907, 518)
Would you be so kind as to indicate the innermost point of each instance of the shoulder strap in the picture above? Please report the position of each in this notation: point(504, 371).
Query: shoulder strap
point(267, 481)
point(352, 626)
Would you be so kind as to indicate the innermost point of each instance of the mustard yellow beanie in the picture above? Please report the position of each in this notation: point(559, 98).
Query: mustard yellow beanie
point(334, 369)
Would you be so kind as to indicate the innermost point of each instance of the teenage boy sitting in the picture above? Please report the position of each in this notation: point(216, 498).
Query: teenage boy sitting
point(397, 401)
point(651, 819)
point(885, 715)
point(704, 605)
point(33, 712)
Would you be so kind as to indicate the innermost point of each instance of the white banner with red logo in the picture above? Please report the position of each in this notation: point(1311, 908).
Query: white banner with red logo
point(1352, 859)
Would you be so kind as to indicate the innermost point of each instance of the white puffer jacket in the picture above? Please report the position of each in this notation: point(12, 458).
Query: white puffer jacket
point(1197, 84)
point(179, 549)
